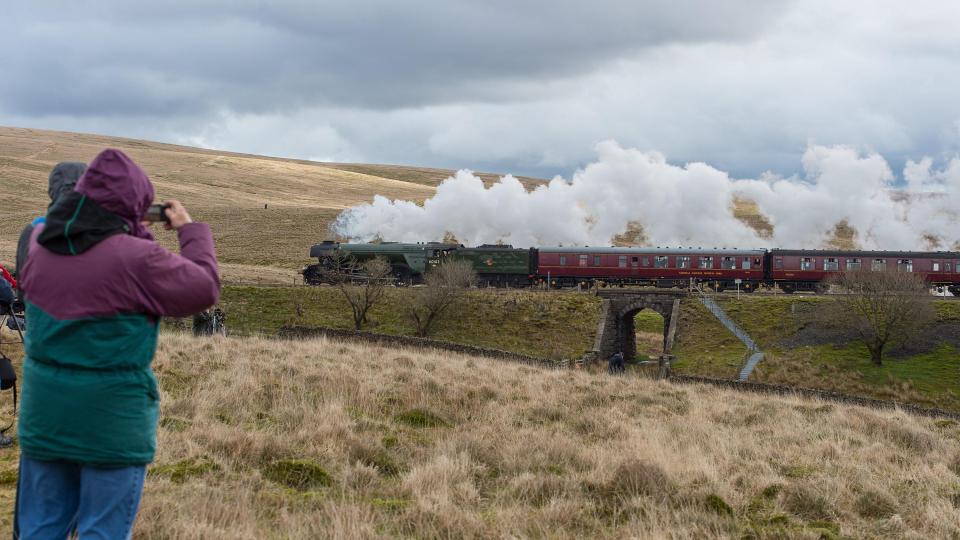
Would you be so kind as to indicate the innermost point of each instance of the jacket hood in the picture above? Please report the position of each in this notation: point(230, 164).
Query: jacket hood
point(75, 223)
point(63, 177)
point(119, 186)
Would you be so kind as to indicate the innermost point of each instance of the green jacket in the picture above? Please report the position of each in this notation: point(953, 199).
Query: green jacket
point(95, 285)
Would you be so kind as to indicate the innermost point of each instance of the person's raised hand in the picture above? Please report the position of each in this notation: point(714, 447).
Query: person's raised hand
point(177, 214)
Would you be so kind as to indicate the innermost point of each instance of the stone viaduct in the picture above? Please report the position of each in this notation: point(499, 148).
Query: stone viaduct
point(616, 327)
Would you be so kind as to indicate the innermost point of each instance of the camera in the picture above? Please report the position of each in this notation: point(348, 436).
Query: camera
point(157, 213)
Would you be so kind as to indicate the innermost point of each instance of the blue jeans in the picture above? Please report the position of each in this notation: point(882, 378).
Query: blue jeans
point(55, 498)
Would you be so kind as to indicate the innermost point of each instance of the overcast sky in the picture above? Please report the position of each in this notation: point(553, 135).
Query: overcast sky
point(528, 87)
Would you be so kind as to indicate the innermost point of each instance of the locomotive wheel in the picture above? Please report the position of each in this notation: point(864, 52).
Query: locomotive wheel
point(403, 276)
point(954, 290)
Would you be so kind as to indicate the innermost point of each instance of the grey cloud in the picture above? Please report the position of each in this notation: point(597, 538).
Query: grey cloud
point(103, 58)
point(522, 87)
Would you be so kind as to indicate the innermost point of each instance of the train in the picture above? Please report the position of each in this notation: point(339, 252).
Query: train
point(789, 270)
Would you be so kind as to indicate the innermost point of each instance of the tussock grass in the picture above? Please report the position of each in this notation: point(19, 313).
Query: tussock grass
point(271, 439)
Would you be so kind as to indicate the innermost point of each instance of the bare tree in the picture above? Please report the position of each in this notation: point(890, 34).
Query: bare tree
point(443, 287)
point(883, 308)
point(363, 285)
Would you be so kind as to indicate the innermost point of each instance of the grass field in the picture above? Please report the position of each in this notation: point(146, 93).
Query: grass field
point(322, 439)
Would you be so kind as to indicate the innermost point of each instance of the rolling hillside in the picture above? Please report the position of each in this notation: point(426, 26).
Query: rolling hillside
point(228, 190)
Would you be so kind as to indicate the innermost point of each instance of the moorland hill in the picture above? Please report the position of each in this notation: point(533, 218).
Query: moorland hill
point(226, 189)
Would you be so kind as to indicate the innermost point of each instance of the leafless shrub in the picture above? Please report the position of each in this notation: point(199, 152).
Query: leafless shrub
point(362, 284)
point(881, 308)
point(444, 287)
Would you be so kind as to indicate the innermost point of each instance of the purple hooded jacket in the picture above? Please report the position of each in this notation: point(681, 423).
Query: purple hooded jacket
point(127, 273)
point(89, 394)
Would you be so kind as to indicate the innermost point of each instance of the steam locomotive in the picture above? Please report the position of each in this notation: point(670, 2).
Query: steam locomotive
point(502, 265)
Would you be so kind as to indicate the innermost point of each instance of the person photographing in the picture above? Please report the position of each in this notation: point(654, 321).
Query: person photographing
point(95, 286)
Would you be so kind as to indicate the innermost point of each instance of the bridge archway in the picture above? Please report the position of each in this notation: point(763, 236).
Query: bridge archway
point(649, 331)
point(617, 329)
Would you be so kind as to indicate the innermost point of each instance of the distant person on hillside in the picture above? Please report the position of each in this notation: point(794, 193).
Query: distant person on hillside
point(95, 285)
point(62, 179)
point(616, 364)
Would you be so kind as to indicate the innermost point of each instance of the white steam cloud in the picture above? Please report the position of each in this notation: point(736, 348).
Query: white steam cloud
point(690, 205)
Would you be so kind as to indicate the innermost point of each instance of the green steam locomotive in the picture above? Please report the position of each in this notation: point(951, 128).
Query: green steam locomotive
point(495, 265)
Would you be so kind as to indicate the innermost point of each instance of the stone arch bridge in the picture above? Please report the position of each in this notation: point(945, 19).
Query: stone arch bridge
point(616, 327)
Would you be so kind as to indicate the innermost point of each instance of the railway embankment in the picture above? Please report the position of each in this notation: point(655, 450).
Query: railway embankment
point(740, 385)
point(754, 354)
point(800, 351)
point(554, 326)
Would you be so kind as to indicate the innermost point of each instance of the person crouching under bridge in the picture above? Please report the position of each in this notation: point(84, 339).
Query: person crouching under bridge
point(616, 364)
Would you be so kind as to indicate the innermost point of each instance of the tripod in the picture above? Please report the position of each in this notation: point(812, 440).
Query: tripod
point(11, 316)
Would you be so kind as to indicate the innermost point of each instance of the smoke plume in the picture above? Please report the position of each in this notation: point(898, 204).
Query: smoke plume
point(843, 198)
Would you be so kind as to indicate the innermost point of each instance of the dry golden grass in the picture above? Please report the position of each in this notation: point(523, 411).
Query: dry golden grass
point(750, 215)
point(258, 275)
point(321, 439)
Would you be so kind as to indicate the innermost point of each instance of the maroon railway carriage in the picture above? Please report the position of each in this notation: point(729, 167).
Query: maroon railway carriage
point(799, 270)
point(661, 267)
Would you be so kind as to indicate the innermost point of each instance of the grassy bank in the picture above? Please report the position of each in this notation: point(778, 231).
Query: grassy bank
point(539, 324)
point(798, 354)
point(563, 325)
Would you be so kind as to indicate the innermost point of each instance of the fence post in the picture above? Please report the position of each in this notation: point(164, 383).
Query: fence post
point(663, 365)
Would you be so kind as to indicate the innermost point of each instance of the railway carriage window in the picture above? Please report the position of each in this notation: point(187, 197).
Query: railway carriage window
point(853, 264)
point(622, 261)
point(879, 265)
point(905, 265)
point(778, 263)
point(563, 260)
point(635, 261)
point(831, 265)
point(596, 260)
point(646, 261)
point(583, 260)
point(728, 263)
point(936, 266)
point(745, 264)
point(946, 267)
point(806, 263)
point(706, 262)
point(660, 261)
point(683, 262)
